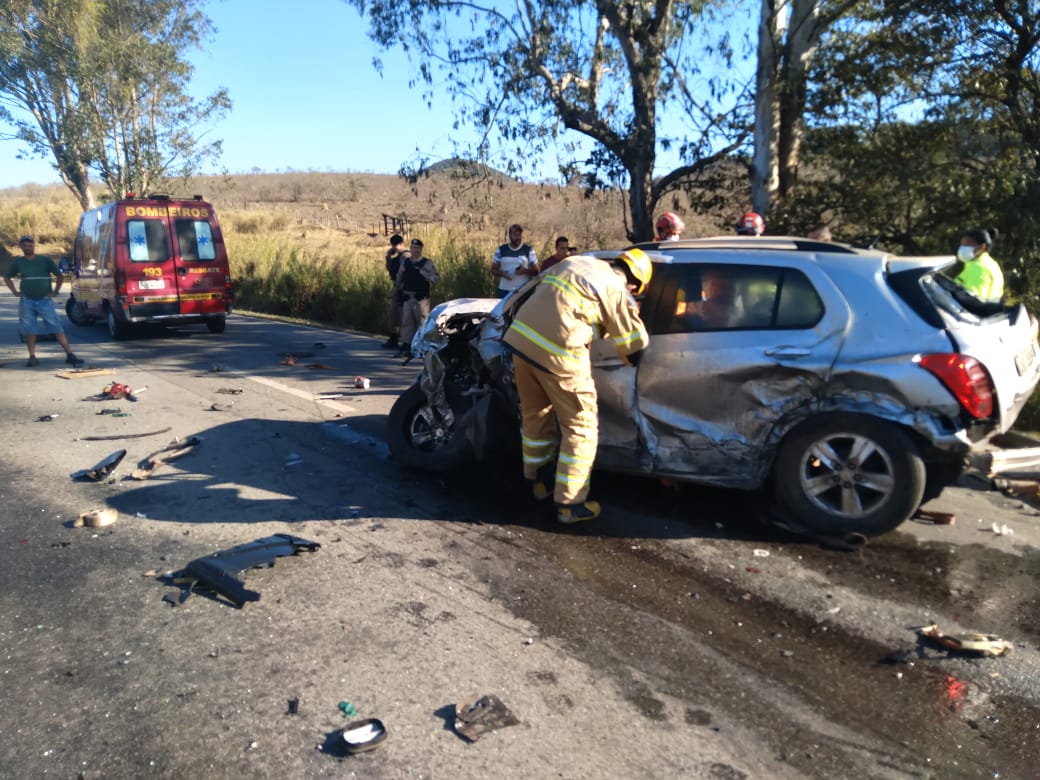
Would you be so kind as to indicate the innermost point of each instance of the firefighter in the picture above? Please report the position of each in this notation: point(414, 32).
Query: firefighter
point(669, 227)
point(578, 300)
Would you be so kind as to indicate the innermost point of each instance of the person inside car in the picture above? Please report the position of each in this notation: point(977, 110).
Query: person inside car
point(717, 306)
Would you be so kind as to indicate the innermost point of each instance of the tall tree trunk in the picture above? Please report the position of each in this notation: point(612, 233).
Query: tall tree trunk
point(764, 168)
point(803, 36)
point(640, 198)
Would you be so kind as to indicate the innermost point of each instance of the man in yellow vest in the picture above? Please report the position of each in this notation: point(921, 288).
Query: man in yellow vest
point(578, 300)
point(976, 271)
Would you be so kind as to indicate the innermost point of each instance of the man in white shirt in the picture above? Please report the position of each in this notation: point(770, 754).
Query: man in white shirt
point(513, 263)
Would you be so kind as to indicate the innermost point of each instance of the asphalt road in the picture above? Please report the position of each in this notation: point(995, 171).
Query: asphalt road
point(678, 637)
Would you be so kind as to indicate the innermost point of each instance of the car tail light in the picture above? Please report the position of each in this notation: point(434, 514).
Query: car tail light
point(966, 378)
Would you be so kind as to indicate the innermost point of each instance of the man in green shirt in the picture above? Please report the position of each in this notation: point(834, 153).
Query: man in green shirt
point(36, 298)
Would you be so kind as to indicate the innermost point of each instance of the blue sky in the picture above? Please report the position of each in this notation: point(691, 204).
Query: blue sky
point(305, 96)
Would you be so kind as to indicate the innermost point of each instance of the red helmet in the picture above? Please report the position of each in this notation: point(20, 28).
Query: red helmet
point(669, 224)
point(751, 224)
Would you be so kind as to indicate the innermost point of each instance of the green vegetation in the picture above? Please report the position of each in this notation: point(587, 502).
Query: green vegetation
point(349, 289)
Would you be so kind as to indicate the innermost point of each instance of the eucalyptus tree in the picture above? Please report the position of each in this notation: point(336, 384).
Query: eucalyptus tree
point(101, 86)
point(608, 71)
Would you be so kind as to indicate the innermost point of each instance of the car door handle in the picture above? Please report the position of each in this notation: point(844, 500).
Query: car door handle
point(788, 352)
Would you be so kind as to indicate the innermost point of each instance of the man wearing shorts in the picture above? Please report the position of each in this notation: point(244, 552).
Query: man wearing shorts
point(36, 298)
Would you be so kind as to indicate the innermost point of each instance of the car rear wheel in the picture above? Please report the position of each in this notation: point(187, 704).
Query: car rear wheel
point(117, 329)
point(216, 325)
point(77, 312)
point(422, 437)
point(846, 473)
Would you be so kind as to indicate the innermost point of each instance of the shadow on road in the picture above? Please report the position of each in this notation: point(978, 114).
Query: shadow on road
point(254, 470)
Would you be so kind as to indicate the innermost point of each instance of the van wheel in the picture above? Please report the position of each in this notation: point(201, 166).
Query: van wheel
point(77, 312)
point(216, 325)
point(116, 329)
point(846, 473)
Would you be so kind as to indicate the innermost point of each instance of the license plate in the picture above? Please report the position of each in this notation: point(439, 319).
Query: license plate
point(1024, 359)
point(151, 284)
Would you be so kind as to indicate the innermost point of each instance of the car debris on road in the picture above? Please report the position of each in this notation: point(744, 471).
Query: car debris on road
point(102, 469)
point(479, 714)
point(216, 572)
point(96, 518)
point(171, 451)
point(986, 645)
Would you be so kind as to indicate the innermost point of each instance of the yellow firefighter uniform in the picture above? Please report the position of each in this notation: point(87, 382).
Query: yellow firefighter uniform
point(581, 299)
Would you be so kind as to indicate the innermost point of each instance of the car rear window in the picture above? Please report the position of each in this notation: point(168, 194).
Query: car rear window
point(147, 238)
point(695, 298)
point(195, 240)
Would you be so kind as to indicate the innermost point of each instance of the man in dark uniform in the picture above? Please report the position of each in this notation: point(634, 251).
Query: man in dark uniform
point(394, 255)
point(414, 278)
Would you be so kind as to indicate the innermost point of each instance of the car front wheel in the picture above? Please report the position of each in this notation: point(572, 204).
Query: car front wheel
point(423, 436)
point(845, 473)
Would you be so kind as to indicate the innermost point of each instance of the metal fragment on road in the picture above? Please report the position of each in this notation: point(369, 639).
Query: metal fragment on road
point(479, 714)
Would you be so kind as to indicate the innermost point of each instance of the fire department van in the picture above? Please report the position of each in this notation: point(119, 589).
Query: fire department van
point(150, 260)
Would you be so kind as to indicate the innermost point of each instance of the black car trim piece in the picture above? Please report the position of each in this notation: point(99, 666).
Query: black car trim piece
point(216, 572)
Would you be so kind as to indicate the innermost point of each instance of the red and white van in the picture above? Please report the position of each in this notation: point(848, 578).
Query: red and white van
point(150, 260)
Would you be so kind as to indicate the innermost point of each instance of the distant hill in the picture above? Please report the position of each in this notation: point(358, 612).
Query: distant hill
point(459, 168)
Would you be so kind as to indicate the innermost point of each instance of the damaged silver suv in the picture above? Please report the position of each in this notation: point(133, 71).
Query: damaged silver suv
point(850, 383)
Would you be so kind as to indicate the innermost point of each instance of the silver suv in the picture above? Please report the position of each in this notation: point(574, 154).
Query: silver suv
point(850, 383)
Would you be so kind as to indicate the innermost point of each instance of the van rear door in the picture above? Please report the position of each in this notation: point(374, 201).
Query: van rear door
point(149, 278)
point(201, 260)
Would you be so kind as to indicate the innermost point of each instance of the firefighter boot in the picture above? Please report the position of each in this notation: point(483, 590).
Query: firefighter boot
point(569, 514)
point(391, 343)
point(542, 485)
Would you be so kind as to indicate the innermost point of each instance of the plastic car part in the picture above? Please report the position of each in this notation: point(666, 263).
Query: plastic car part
point(216, 572)
point(102, 469)
point(362, 735)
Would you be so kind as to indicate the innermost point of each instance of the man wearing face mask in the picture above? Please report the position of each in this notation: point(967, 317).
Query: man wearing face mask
point(976, 271)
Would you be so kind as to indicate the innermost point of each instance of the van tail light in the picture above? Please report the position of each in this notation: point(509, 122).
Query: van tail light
point(966, 378)
point(121, 285)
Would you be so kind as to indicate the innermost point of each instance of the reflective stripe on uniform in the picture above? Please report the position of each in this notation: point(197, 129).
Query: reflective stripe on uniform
point(538, 442)
point(628, 338)
point(576, 460)
point(537, 452)
point(541, 342)
point(577, 297)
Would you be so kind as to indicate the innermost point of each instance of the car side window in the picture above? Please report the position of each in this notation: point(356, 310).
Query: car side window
point(147, 239)
point(799, 305)
point(710, 298)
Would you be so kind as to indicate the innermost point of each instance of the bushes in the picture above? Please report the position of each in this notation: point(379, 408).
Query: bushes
point(349, 290)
